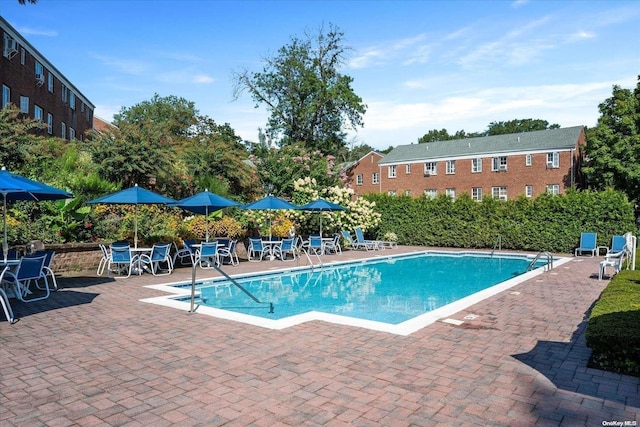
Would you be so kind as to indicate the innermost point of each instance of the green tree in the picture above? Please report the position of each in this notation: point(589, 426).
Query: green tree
point(279, 168)
point(308, 99)
point(613, 146)
point(519, 125)
point(18, 139)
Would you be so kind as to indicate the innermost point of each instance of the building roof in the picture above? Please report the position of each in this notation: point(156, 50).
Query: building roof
point(544, 140)
point(348, 165)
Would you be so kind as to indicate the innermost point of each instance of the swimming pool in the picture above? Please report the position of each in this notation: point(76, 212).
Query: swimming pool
point(396, 294)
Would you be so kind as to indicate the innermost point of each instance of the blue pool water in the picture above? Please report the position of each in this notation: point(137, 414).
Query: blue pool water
point(390, 290)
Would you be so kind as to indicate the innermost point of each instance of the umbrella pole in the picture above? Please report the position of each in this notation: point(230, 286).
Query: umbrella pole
point(206, 219)
point(5, 245)
point(135, 226)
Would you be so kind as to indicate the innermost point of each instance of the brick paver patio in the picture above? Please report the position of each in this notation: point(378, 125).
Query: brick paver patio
point(93, 355)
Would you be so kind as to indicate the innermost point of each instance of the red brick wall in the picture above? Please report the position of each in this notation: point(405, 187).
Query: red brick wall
point(21, 80)
point(515, 178)
point(367, 166)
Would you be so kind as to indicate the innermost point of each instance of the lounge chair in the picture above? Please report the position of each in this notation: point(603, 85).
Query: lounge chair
point(617, 244)
point(6, 306)
point(228, 253)
point(104, 260)
point(257, 250)
point(587, 243)
point(349, 242)
point(160, 253)
point(46, 269)
point(614, 260)
point(368, 244)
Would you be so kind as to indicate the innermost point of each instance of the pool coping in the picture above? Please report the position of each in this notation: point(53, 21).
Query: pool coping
point(404, 328)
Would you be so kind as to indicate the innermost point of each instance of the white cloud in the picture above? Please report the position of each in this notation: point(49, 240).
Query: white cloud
point(127, 66)
point(203, 79)
point(37, 32)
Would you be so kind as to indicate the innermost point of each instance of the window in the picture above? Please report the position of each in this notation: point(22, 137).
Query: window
point(23, 56)
point(451, 192)
point(72, 133)
point(430, 168)
point(476, 194)
point(553, 160)
point(39, 70)
point(6, 96)
point(499, 193)
point(499, 164)
point(63, 130)
point(359, 179)
point(431, 193)
point(65, 94)
point(451, 167)
point(24, 104)
point(72, 100)
point(553, 189)
point(528, 159)
point(408, 168)
point(37, 112)
point(392, 192)
point(476, 165)
point(528, 190)
point(407, 193)
point(49, 123)
point(375, 178)
point(10, 46)
point(50, 82)
point(392, 171)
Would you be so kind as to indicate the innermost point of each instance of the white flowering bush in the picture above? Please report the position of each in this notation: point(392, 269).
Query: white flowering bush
point(357, 213)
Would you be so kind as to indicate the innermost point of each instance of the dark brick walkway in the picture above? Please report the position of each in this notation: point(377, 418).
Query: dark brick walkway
point(93, 355)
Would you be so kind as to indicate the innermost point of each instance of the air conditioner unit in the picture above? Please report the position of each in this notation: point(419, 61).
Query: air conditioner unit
point(10, 48)
point(550, 165)
point(429, 173)
point(502, 167)
point(39, 79)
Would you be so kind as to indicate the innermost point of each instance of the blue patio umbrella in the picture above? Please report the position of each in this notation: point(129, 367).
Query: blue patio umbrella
point(17, 187)
point(205, 203)
point(134, 196)
point(321, 205)
point(270, 203)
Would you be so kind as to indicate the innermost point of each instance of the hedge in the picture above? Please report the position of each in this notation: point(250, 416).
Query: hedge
point(613, 331)
point(549, 222)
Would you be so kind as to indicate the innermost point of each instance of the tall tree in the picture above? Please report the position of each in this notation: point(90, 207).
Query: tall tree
point(519, 125)
point(613, 146)
point(307, 97)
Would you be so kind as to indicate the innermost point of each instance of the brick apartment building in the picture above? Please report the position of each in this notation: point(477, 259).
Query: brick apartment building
point(30, 82)
point(500, 166)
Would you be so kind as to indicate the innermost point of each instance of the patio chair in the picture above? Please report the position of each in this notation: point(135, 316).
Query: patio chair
point(208, 255)
point(160, 253)
point(187, 252)
point(367, 244)
point(11, 254)
point(6, 306)
point(229, 254)
point(29, 271)
point(104, 260)
point(316, 245)
point(334, 245)
point(120, 261)
point(617, 244)
point(46, 269)
point(287, 246)
point(256, 250)
point(587, 243)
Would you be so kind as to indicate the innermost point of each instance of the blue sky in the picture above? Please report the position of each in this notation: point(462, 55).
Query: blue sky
point(418, 65)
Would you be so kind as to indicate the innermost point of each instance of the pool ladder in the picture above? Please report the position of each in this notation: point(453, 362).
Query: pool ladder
point(310, 260)
point(548, 266)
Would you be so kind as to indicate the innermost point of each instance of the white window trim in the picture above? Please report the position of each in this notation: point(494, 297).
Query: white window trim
point(528, 159)
point(528, 191)
point(392, 171)
point(359, 179)
point(375, 178)
point(430, 168)
point(476, 194)
point(451, 167)
point(476, 165)
point(553, 160)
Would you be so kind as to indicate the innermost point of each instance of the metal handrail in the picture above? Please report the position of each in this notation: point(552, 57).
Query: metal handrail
point(497, 243)
point(548, 266)
point(229, 278)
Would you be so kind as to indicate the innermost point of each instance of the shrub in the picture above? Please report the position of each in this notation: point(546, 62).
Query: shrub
point(613, 331)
